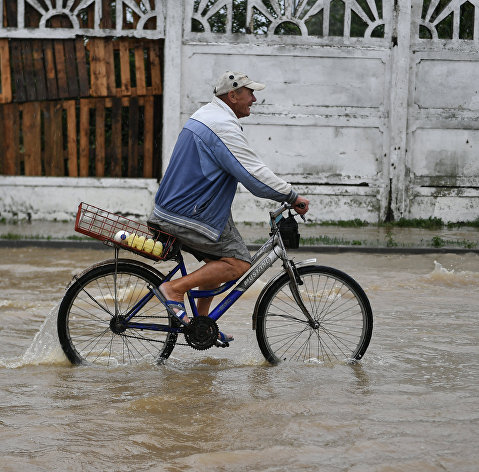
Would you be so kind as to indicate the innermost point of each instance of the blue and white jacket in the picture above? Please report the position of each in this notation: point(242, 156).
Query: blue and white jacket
point(210, 157)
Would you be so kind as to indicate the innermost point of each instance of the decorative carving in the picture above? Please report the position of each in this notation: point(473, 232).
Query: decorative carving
point(346, 18)
point(205, 10)
point(456, 19)
point(139, 18)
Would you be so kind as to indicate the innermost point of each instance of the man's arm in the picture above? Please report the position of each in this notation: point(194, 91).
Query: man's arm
point(251, 171)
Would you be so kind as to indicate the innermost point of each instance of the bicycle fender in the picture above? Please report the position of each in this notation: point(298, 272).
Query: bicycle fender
point(112, 261)
point(268, 285)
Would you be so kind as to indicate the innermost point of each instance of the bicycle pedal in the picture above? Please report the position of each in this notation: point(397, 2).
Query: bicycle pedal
point(220, 344)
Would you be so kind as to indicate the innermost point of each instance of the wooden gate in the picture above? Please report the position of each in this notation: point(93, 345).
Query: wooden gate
point(81, 107)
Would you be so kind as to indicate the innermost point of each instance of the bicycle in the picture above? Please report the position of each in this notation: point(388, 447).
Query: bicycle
point(113, 312)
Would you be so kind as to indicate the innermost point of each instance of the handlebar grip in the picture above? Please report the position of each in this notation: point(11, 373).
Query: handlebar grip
point(301, 205)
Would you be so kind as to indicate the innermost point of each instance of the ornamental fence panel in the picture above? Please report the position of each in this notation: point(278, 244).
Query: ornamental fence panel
point(371, 105)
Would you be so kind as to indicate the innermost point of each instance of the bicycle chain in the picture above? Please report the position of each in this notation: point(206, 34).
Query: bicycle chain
point(141, 338)
point(190, 342)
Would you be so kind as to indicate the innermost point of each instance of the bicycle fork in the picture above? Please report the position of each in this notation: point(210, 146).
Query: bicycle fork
point(294, 281)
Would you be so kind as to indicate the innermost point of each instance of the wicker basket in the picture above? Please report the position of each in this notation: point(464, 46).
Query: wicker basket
point(123, 232)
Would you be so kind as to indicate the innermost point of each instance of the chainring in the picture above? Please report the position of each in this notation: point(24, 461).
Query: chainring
point(201, 333)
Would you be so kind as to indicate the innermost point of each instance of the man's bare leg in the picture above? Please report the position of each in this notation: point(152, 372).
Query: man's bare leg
point(210, 275)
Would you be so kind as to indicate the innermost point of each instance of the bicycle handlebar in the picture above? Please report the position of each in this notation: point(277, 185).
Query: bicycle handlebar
point(285, 206)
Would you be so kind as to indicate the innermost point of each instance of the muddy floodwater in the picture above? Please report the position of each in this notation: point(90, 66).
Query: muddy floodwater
point(412, 403)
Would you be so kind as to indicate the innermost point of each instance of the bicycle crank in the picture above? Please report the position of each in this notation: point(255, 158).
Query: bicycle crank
point(201, 333)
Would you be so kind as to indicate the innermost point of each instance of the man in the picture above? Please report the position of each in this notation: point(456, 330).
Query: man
point(195, 195)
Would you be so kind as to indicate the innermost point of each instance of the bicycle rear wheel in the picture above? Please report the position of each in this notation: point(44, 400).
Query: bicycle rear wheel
point(85, 328)
point(334, 300)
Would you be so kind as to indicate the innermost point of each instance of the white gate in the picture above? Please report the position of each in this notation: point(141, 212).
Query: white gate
point(353, 114)
point(441, 171)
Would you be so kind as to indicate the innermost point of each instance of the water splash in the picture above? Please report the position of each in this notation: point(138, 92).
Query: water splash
point(45, 347)
point(442, 276)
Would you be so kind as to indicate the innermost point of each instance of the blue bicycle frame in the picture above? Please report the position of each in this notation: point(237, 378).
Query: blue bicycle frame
point(272, 250)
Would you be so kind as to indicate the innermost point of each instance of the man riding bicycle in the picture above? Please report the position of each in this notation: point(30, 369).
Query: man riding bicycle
point(194, 199)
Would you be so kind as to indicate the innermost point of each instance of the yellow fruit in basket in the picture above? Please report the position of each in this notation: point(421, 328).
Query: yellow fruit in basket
point(130, 239)
point(139, 242)
point(149, 244)
point(157, 249)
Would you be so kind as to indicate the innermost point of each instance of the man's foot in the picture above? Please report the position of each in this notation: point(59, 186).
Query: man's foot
point(225, 338)
point(178, 307)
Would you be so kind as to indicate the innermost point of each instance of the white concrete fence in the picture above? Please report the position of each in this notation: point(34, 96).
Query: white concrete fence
point(372, 125)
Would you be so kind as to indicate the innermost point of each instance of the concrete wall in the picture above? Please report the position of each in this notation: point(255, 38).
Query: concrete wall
point(57, 198)
point(443, 126)
point(366, 127)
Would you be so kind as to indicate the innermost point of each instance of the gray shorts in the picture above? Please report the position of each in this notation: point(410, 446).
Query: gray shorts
point(230, 243)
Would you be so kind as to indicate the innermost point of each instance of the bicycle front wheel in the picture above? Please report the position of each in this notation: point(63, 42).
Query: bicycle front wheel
point(334, 300)
point(90, 316)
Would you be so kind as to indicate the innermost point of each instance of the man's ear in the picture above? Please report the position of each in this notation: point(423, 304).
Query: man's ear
point(232, 96)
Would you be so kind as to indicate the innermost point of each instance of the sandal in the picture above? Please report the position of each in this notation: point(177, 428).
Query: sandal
point(175, 308)
point(225, 338)
point(181, 313)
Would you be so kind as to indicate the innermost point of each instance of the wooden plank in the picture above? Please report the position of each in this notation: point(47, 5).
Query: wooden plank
point(54, 165)
point(48, 136)
point(49, 58)
point(10, 136)
point(11, 14)
point(100, 137)
point(125, 67)
point(66, 77)
point(157, 136)
point(71, 68)
point(16, 61)
point(32, 139)
point(83, 81)
point(107, 17)
point(148, 138)
point(58, 152)
point(70, 107)
point(62, 80)
point(84, 136)
point(6, 84)
point(116, 144)
point(155, 64)
point(133, 126)
point(140, 70)
point(98, 82)
point(110, 68)
point(40, 79)
point(28, 70)
point(2, 139)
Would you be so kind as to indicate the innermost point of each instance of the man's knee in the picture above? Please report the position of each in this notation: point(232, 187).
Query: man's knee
point(238, 267)
point(243, 267)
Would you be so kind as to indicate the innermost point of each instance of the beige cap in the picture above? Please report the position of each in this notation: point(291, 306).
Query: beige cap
point(235, 80)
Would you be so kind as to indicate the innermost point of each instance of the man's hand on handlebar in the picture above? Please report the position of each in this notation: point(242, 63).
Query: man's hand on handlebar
point(301, 205)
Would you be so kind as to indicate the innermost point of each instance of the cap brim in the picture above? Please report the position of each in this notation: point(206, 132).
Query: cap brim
point(255, 86)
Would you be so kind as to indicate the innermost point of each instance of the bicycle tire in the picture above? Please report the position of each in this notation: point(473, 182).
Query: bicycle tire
point(334, 299)
point(88, 306)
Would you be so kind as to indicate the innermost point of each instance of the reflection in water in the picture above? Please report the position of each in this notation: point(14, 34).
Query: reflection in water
point(362, 384)
point(409, 405)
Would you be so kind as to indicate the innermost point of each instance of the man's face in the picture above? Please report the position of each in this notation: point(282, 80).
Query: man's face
point(242, 99)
